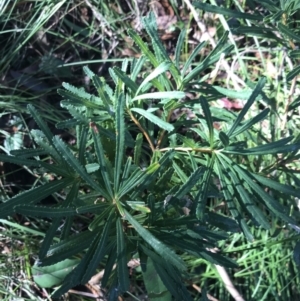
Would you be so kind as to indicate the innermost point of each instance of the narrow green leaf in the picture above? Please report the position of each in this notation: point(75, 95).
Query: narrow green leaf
point(156, 244)
point(40, 122)
point(76, 100)
point(123, 274)
point(248, 123)
point(102, 162)
point(120, 140)
point(153, 118)
point(224, 138)
point(179, 46)
point(135, 179)
point(95, 253)
point(246, 199)
point(19, 160)
point(28, 152)
point(161, 95)
point(42, 142)
point(51, 232)
point(136, 66)
point(183, 177)
point(81, 143)
point(208, 118)
point(42, 211)
point(189, 184)
point(294, 54)
point(109, 265)
point(169, 275)
point(225, 11)
point(201, 197)
point(68, 247)
point(101, 216)
point(160, 51)
point(271, 203)
point(287, 189)
point(73, 162)
point(104, 98)
point(161, 68)
point(213, 57)
point(255, 93)
point(138, 149)
point(47, 241)
point(126, 80)
point(230, 203)
point(33, 195)
point(261, 32)
point(277, 147)
point(192, 57)
point(92, 167)
point(93, 208)
point(289, 33)
point(143, 46)
point(138, 206)
point(293, 73)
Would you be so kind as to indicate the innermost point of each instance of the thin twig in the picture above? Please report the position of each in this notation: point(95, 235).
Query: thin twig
point(228, 284)
point(142, 130)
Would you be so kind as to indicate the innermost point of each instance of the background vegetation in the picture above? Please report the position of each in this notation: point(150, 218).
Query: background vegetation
point(46, 43)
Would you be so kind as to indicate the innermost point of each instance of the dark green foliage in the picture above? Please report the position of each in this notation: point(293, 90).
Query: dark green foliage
point(154, 204)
